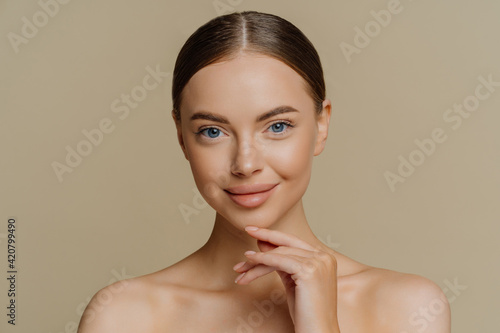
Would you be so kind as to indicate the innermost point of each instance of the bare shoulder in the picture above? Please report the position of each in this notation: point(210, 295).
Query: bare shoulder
point(407, 302)
point(124, 306)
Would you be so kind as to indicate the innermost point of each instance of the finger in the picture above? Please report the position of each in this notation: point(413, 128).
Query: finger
point(243, 266)
point(278, 238)
point(265, 246)
point(293, 251)
point(288, 263)
point(287, 281)
point(254, 273)
point(300, 264)
point(246, 265)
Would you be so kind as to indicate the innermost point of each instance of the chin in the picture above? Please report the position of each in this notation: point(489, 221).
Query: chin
point(262, 218)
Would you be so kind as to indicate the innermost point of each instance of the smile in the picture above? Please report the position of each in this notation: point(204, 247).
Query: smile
point(251, 196)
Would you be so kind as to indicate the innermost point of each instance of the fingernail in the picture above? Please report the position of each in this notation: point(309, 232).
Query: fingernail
point(239, 277)
point(251, 228)
point(249, 253)
point(238, 265)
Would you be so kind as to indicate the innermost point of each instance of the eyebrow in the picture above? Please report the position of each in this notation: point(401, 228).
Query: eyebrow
point(262, 117)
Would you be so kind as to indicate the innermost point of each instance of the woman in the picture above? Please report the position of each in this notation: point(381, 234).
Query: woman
point(251, 113)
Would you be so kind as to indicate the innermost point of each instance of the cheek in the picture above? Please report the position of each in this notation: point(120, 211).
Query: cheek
point(208, 171)
point(292, 159)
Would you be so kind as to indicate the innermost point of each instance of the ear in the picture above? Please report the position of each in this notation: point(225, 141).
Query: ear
point(323, 120)
point(178, 126)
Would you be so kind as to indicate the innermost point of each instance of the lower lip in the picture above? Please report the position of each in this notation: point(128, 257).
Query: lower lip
point(251, 200)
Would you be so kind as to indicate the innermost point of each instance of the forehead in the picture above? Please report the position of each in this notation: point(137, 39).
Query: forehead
point(247, 84)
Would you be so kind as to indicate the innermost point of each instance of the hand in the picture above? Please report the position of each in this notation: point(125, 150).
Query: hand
point(309, 275)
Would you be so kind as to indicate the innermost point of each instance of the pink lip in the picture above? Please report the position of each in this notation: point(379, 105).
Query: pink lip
point(250, 195)
point(250, 188)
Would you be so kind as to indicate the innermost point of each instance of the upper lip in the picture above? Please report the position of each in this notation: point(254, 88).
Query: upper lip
point(250, 188)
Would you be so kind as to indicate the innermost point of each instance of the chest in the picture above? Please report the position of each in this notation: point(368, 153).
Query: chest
point(260, 317)
point(209, 314)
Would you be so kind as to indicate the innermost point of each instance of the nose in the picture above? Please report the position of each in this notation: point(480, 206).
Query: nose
point(247, 159)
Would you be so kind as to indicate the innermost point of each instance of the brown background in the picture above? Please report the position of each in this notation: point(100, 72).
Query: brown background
point(118, 213)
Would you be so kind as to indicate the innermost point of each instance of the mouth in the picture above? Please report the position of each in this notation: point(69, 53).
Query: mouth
point(251, 196)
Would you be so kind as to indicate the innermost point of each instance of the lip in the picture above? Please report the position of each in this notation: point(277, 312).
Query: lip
point(250, 196)
point(250, 188)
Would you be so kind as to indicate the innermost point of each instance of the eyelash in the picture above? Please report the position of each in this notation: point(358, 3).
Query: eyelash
point(286, 122)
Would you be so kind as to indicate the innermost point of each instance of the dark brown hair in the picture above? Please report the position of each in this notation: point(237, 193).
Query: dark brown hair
point(253, 32)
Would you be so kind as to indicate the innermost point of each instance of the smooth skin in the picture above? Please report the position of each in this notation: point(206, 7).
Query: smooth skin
point(293, 282)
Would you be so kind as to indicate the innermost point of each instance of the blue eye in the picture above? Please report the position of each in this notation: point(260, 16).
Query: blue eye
point(211, 132)
point(279, 127)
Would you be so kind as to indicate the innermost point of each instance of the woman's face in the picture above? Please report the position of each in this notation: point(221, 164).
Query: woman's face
point(248, 126)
